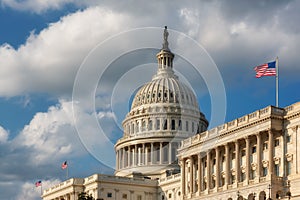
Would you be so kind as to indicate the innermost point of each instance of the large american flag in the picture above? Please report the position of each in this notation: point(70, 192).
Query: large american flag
point(267, 69)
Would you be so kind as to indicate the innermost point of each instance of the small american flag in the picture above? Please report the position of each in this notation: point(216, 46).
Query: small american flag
point(267, 69)
point(64, 165)
point(38, 183)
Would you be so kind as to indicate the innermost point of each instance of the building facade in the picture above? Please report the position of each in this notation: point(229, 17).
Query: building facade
point(167, 153)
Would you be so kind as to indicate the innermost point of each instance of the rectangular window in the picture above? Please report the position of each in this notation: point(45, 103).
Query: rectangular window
point(276, 143)
point(124, 196)
point(243, 152)
point(109, 195)
point(277, 170)
point(265, 171)
point(139, 197)
point(288, 168)
point(265, 146)
point(288, 138)
point(243, 176)
point(232, 178)
point(252, 175)
point(254, 149)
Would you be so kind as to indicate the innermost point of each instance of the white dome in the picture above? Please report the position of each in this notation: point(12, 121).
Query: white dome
point(163, 112)
point(165, 90)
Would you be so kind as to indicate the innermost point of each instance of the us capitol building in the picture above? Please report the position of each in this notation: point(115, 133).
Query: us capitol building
point(167, 153)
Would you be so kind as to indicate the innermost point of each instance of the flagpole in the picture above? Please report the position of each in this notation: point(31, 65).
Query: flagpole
point(277, 81)
point(41, 190)
point(67, 172)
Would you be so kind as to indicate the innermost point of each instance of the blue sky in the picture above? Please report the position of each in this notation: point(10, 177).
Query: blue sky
point(47, 46)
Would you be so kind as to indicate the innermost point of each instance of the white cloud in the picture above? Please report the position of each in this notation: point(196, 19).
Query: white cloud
point(49, 60)
point(3, 135)
point(51, 135)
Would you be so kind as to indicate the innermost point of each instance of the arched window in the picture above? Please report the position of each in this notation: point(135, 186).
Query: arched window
point(173, 124)
point(165, 124)
point(150, 125)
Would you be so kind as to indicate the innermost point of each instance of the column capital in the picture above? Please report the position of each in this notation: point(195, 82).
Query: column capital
point(294, 128)
point(217, 148)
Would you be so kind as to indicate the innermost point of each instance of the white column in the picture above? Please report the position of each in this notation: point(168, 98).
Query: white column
point(129, 156)
point(146, 156)
point(161, 153)
point(170, 152)
point(199, 174)
point(217, 167)
point(258, 138)
point(237, 161)
point(208, 166)
point(270, 145)
point(191, 175)
point(139, 156)
point(227, 164)
point(247, 139)
point(183, 177)
point(143, 154)
point(152, 153)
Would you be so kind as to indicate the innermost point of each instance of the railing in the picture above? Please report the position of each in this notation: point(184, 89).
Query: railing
point(237, 123)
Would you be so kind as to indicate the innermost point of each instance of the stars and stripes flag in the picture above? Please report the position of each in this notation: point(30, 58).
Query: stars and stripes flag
point(38, 183)
point(64, 165)
point(267, 69)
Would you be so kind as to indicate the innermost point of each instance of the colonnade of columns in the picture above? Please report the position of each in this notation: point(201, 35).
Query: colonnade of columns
point(229, 165)
point(146, 154)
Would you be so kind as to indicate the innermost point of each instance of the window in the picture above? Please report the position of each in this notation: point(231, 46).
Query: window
point(124, 196)
point(165, 124)
point(179, 125)
point(277, 170)
point(139, 197)
point(243, 152)
point(288, 138)
point(276, 143)
point(254, 149)
point(265, 171)
point(157, 124)
point(170, 195)
point(265, 146)
point(213, 183)
point(243, 176)
point(288, 168)
point(109, 195)
point(173, 124)
point(193, 127)
point(143, 125)
point(252, 174)
point(150, 125)
point(187, 126)
point(232, 178)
